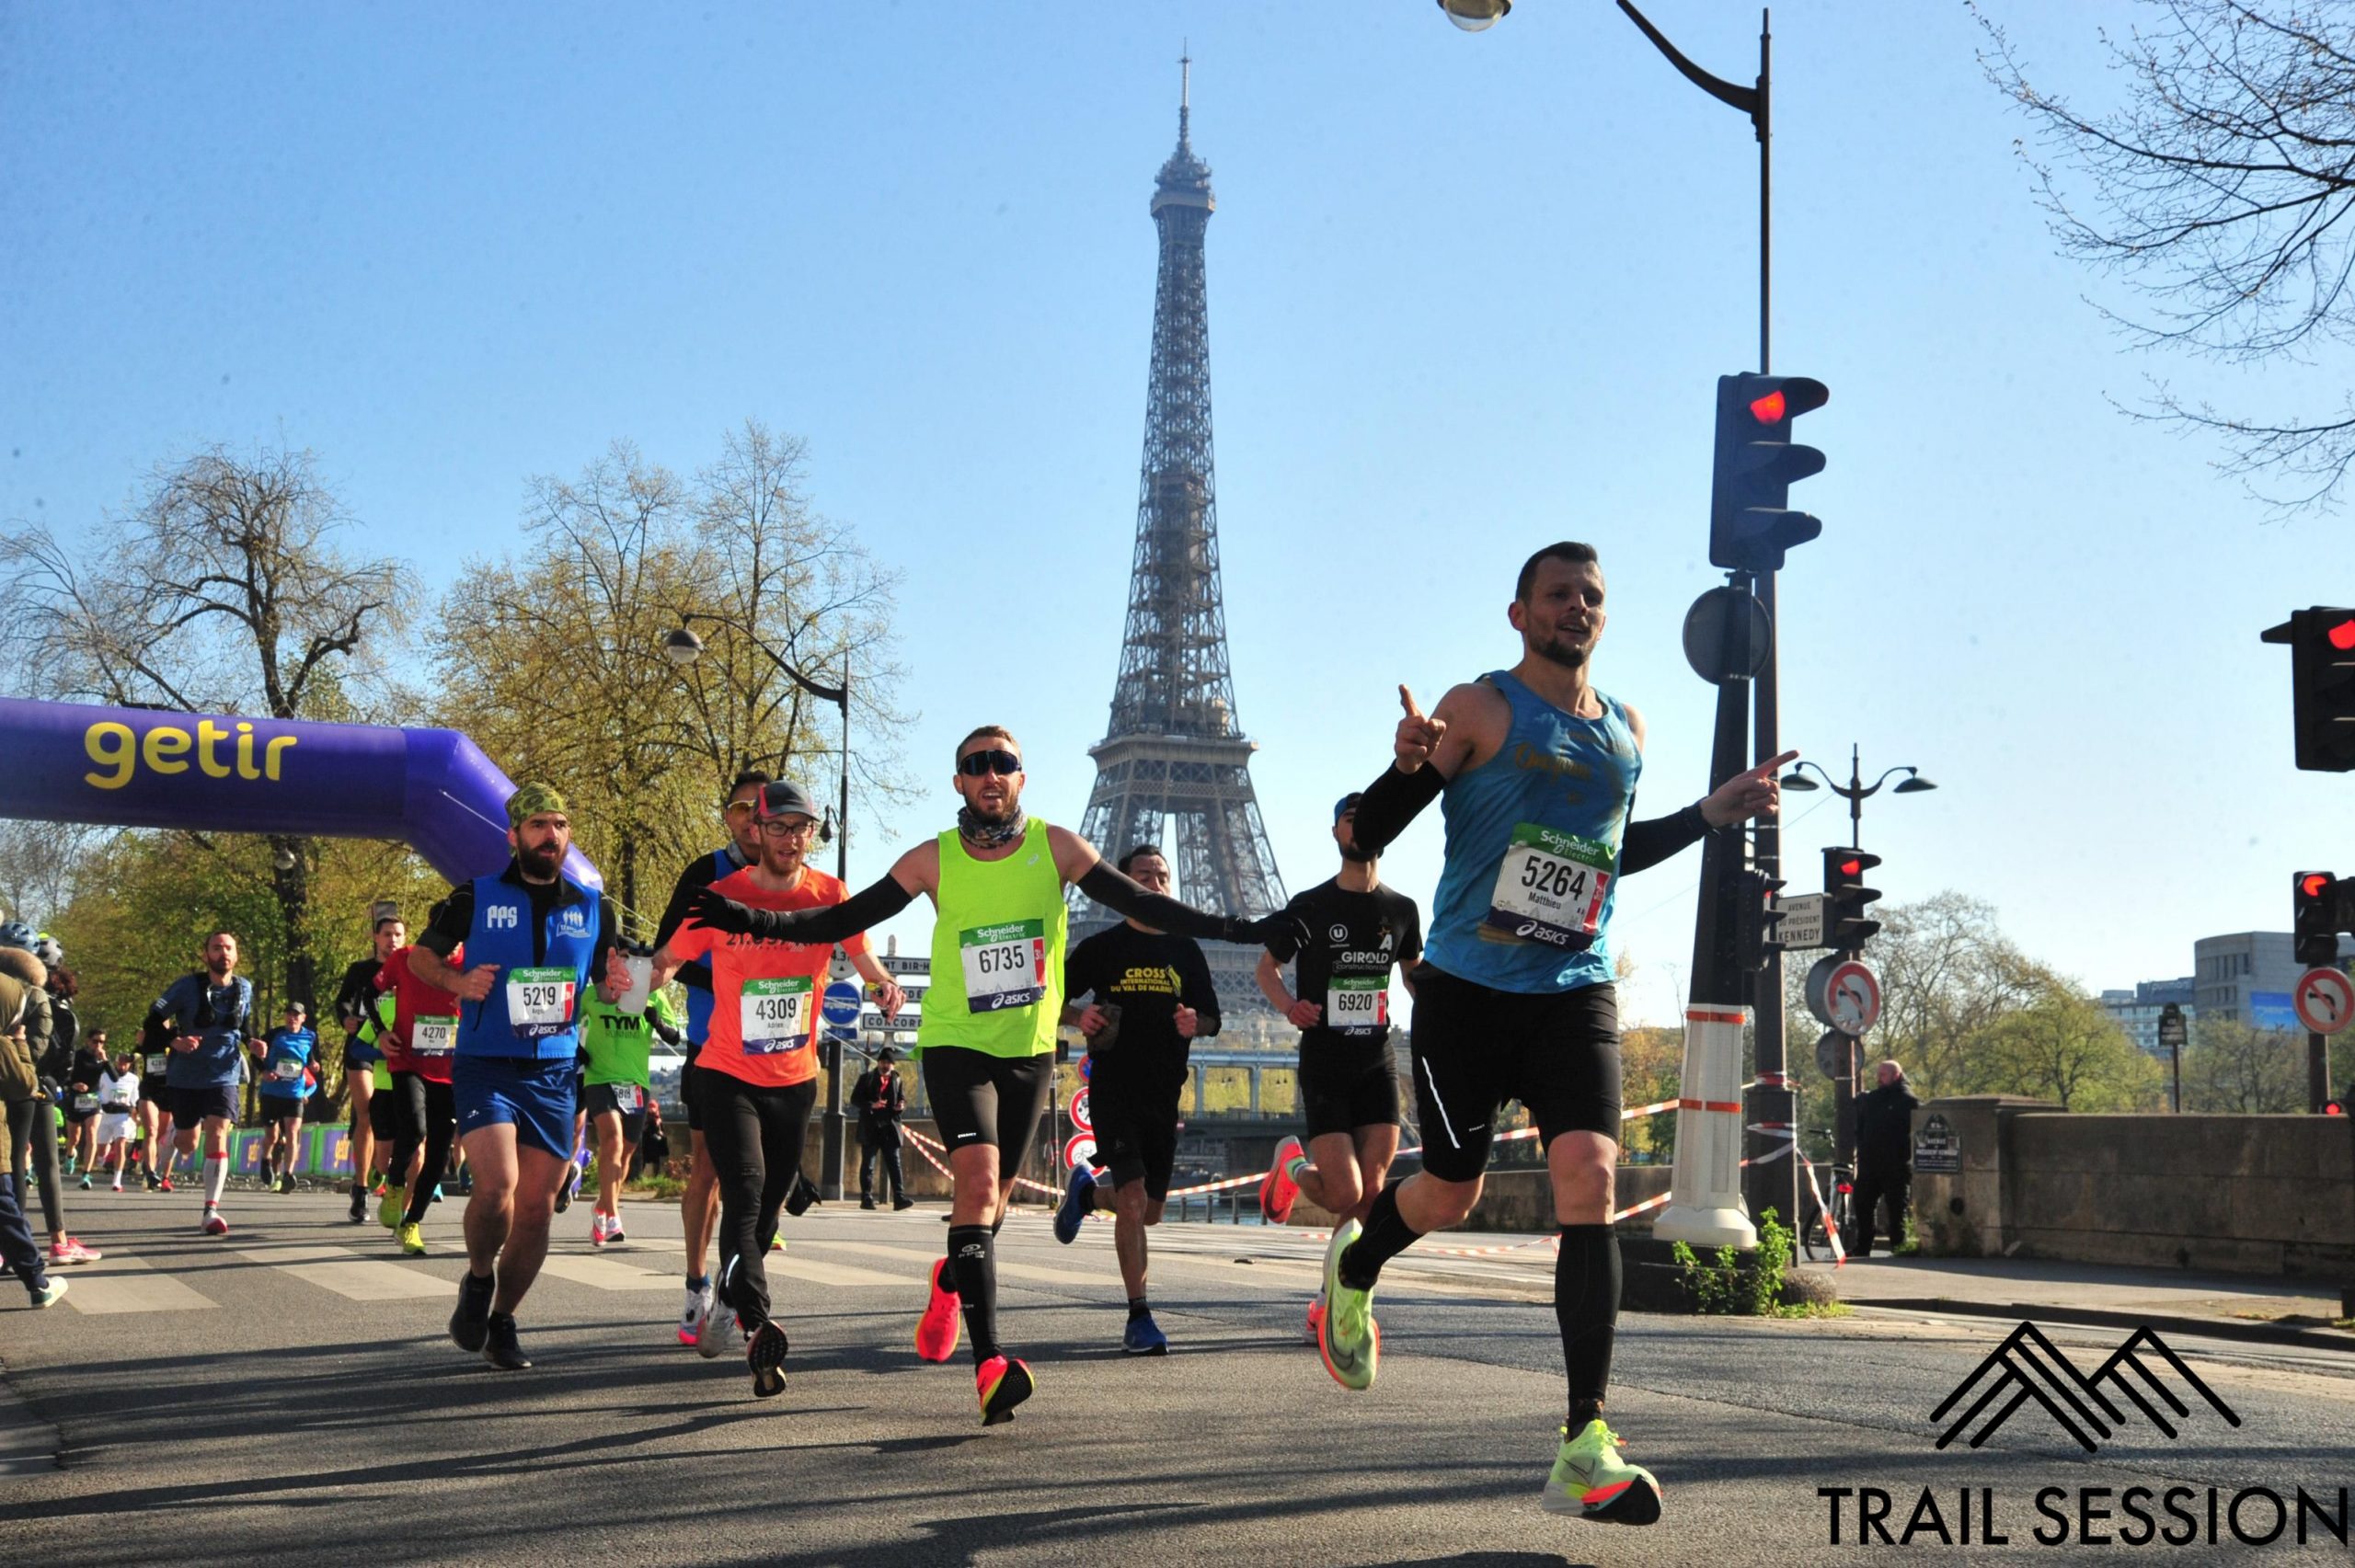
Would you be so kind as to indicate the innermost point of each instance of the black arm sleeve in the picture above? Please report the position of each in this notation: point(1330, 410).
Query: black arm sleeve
point(1391, 802)
point(1117, 893)
point(1648, 844)
point(1198, 990)
point(870, 906)
point(455, 917)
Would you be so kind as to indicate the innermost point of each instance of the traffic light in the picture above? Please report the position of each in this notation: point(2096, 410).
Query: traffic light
point(1754, 919)
point(1751, 524)
point(2322, 685)
point(1845, 929)
point(2316, 935)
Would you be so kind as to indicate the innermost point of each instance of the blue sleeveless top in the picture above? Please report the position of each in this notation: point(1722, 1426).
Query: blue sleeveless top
point(533, 1007)
point(1533, 849)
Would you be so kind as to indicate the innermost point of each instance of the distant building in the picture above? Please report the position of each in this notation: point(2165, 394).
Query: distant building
point(2246, 978)
point(2138, 1011)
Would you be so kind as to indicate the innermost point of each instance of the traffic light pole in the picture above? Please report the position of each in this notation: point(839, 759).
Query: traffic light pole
point(1770, 1182)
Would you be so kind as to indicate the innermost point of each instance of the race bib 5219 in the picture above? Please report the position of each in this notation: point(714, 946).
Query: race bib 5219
point(539, 1002)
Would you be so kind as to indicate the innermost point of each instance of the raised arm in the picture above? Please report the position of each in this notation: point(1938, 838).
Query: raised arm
point(1081, 865)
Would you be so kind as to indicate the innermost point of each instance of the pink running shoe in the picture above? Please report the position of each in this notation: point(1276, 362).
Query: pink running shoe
point(937, 1330)
point(1278, 1191)
point(71, 1249)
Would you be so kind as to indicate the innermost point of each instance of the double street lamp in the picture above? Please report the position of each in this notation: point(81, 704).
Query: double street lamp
point(682, 647)
point(1853, 792)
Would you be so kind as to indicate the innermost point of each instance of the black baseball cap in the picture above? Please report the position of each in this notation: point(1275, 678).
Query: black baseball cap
point(782, 797)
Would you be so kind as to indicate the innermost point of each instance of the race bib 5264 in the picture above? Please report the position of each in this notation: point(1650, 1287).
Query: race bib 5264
point(1550, 888)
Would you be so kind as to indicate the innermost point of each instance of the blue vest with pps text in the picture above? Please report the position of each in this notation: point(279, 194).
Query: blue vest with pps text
point(533, 1007)
point(724, 863)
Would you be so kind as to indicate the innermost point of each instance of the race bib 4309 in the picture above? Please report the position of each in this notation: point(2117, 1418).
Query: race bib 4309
point(774, 1015)
point(1550, 888)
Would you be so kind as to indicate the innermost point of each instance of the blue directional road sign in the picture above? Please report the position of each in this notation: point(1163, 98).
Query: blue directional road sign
point(841, 1005)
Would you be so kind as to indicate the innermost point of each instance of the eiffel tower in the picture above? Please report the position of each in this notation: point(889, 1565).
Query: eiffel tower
point(1173, 752)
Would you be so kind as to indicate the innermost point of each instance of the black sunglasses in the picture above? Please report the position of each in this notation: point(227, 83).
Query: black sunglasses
point(974, 764)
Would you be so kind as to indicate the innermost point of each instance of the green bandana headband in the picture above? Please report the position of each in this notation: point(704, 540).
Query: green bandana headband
point(532, 799)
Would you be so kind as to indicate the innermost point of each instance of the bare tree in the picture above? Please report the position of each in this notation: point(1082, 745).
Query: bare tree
point(2218, 189)
point(2240, 1069)
point(226, 591)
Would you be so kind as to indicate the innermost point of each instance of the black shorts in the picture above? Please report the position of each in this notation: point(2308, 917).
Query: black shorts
point(979, 1098)
point(190, 1106)
point(1346, 1084)
point(687, 1095)
point(156, 1090)
point(359, 1058)
point(386, 1117)
point(76, 1118)
point(1136, 1139)
point(280, 1108)
point(1475, 1048)
point(627, 1100)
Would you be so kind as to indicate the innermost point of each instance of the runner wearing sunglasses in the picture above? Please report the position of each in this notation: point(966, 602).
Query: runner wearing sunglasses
point(986, 1044)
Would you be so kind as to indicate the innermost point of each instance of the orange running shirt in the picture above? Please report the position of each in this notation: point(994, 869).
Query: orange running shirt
point(765, 994)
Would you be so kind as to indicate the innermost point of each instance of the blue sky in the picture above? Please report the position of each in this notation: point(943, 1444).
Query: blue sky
point(1468, 294)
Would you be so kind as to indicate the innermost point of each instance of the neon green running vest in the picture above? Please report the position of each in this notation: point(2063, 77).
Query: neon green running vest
point(997, 951)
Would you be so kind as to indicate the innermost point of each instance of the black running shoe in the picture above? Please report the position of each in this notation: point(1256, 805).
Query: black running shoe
point(798, 1202)
point(470, 1324)
point(765, 1356)
point(501, 1348)
point(359, 1206)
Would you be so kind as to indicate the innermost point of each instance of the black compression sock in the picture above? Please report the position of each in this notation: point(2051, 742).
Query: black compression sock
point(1586, 1305)
point(1000, 1225)
point(1137, 1308)
point(972, 1261)
point(1385, 1237)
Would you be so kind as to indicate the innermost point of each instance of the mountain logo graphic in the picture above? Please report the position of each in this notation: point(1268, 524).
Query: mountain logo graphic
point(2027, 1366)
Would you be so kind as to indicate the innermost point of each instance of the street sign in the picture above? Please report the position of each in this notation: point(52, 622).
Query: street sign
point(1844, 993)
point(1834, 1054)
point(1802, 922)
point(1080, 1151)
point(1937, 1149)
point(1080, 1115)
point(842, 1003)
point(896, 965)
point(2172, 1029)
point(899, 1023)
point(1714, 643)
point(2325, 1001)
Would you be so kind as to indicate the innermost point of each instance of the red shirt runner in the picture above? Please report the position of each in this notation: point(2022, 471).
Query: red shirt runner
point(425, 1018)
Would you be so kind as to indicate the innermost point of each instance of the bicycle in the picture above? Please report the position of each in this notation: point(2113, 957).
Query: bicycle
point(1813, 1239)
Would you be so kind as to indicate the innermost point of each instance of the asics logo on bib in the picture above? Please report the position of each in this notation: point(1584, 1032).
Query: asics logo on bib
point(500, 917)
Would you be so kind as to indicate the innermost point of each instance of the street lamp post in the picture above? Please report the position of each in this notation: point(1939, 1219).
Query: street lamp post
point(682, 647)
point(1843, 1083)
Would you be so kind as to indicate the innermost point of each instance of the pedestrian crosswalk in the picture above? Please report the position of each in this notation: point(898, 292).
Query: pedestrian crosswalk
point(187, 1275)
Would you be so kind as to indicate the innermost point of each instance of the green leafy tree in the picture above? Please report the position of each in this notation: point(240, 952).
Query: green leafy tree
point(2238, 1067)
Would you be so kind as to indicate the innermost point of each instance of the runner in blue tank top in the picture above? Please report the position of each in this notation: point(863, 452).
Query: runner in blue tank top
point(534, 943)
point(1537, 773)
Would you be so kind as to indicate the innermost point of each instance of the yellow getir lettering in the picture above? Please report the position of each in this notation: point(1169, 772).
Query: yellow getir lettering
point(208, 734)
point(270, 750)
point(111, 746)
point(246, 769)
point(165, 742)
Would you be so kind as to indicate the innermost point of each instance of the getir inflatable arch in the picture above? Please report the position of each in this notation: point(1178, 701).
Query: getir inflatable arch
point(147, 768)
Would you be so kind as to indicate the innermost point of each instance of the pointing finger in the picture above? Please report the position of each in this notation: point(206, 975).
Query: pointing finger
point(1406, 701)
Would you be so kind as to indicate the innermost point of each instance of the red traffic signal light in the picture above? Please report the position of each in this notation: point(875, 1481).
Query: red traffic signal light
point(1751, 520)
point(2322, 685)
point(2333, 1108)
point(1852, 867)
point(1768, 410)
point(2342, 636)
point(2312, 883)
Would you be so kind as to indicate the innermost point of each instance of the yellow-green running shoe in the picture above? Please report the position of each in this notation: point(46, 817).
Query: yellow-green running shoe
point(391, 1206)
point(412, 1239)
point(1347, 1335)
point(1590, 1481)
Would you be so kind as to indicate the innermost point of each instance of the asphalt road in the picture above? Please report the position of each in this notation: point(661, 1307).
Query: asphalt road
point(288, 1394)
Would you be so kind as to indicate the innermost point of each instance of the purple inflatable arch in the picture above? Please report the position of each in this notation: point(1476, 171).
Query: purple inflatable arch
point(146, 768)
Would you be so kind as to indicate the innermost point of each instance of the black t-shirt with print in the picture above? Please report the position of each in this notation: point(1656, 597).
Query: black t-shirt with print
point(1148, 974)
point(1353, 941)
